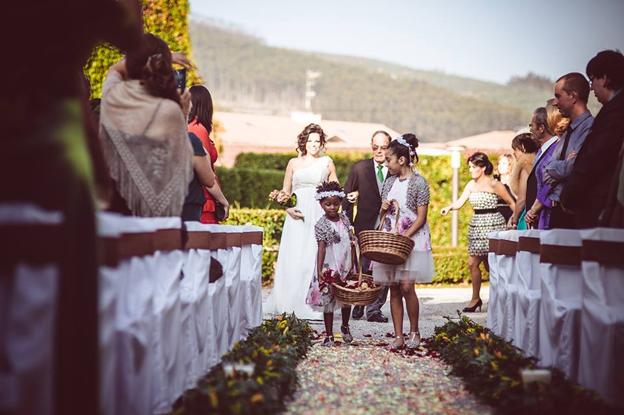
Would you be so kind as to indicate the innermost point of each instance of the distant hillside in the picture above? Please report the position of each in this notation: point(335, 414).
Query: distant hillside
point(243, 72)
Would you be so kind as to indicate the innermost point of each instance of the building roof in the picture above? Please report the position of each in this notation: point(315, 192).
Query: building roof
point(493, 141)
point(275, 132)
point(279, 131)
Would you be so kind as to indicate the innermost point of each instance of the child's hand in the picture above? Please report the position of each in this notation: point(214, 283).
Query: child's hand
point(385, 205)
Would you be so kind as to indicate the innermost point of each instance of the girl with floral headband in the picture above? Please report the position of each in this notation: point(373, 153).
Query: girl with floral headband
point(334, 259)
point(411, 191)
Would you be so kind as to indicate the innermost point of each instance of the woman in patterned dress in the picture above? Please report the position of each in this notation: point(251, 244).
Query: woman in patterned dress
point(483, 192)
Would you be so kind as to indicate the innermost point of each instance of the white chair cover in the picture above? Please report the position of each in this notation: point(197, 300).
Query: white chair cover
point(493, 309)
point(562, 291)
point(507, 276)
point(131, 369)
point(28, 300)
point(601, 365)
point(230, 260)
point(251, 283)
point(173, 345)
point(527, 293)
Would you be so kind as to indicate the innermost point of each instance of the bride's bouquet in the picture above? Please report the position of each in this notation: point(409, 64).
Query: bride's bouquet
point(283, 199)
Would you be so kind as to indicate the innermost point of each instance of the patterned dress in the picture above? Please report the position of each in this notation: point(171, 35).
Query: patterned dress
point(486, 219)
point(337, 238)
point(419, 264)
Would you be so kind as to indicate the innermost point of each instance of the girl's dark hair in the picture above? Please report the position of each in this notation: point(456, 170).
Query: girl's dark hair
point(151, 63)
point(201, 106)
point(524, 142)
point(481, 159)
point(400, 150)
point(329, 187)
point(302, 138)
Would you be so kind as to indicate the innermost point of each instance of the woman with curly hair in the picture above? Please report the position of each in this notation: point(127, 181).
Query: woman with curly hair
point(297, 253)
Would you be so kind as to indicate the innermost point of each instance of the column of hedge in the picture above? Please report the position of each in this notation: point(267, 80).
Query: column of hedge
point(167, 19)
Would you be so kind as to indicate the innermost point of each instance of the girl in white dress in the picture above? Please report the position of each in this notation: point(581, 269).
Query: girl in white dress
point(334, 259)
point(297, 252)
point(411, 191)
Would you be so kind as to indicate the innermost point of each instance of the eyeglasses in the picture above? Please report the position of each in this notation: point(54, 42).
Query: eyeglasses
point(375, 148)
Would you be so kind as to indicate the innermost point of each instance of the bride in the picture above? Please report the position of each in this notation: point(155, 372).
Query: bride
point(297, 251)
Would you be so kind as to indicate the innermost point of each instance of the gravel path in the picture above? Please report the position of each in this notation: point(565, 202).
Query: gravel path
point(365, 378)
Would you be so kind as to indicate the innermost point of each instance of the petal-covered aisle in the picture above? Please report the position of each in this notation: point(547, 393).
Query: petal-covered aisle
point(365, 378)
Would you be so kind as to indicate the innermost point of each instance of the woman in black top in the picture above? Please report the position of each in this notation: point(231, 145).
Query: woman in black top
point(202, 176)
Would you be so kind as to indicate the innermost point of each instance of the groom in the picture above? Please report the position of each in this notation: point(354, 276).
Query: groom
point(364, 187)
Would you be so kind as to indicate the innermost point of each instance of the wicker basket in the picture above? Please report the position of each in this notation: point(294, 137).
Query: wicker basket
point(355, 296)
point(386, 247)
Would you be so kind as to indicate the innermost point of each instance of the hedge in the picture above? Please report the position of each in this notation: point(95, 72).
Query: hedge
point(451, 264)
point(490, 367)
point(255, 175)
point(258, 376)
point(167, 19)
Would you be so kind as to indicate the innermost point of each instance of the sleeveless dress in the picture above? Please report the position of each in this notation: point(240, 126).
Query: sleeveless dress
point(419, 264)
point(296, 259)
point(485, 220)
point(337, 237)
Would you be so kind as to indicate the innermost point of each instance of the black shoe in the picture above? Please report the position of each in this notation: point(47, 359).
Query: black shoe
point(472, 309)
point(378, 318)
point(358, 312)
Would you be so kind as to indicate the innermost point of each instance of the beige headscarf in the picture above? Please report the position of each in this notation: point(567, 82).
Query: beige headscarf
point(145, 142)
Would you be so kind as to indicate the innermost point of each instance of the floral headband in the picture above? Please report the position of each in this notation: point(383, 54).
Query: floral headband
point(330, 193)
point(412, 153)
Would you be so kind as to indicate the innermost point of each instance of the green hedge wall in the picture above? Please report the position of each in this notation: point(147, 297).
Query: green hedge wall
point(450, 263)
point(167, 19)
point(255, 175)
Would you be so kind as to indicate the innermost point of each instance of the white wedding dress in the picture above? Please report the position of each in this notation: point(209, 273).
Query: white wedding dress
point(297, 252)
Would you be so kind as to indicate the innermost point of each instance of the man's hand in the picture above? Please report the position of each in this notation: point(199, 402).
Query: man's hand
point(549, 179)
point(353, 196)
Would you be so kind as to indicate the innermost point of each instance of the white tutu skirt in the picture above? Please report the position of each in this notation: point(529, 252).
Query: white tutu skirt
point(417, 268)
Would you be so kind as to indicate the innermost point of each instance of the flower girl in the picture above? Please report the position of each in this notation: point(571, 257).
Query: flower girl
point(334, 259)
point(411, 191)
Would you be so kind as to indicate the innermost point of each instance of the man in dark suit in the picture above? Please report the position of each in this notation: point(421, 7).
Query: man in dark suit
point(363, 187)
point(586, 190)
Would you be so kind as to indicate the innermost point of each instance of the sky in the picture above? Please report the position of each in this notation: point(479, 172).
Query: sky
point(484, 39)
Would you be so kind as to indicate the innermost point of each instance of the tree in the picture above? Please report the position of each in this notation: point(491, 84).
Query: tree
point(167, 19)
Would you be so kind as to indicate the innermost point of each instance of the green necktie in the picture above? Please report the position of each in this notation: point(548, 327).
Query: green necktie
point(380, 174)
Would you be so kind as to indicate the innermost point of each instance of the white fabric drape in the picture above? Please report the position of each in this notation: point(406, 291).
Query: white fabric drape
point(508, 284)
point(602, 334)
point(560, 311)
point(28, 304)
point(527, 296)
point(493, 310)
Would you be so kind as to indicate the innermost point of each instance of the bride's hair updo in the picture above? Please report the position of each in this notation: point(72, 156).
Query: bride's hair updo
point(328, 189)
point(302, 138)
point(408, 151)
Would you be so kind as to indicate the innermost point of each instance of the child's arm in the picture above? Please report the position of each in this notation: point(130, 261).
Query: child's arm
point(421, 211)
point(320, 258)
point(353, 255)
